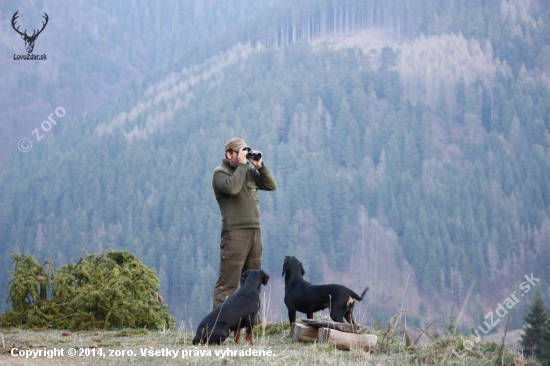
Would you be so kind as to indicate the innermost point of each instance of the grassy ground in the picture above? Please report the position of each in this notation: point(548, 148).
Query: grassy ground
point(273, 340)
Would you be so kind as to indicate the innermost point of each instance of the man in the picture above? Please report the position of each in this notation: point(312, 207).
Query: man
point(236, 187)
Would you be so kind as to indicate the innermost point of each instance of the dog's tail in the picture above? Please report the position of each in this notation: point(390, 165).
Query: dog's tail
point(356, 297)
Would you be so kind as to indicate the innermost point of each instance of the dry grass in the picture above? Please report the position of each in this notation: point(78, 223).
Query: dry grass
point(391, 349)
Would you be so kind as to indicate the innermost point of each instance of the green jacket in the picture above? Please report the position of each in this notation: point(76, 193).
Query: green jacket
point(237, 193)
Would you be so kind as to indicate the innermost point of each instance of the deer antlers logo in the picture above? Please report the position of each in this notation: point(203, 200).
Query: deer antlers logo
point(29, 40)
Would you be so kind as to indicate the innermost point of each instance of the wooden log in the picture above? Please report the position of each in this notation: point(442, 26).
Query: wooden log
point(350, 328)
point(344, 340)
point(304, 333)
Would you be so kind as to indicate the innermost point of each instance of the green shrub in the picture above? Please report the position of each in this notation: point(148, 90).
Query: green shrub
point(112, 289)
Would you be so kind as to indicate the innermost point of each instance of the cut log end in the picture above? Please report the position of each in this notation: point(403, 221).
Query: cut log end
point(344, 340)
point(304, 333)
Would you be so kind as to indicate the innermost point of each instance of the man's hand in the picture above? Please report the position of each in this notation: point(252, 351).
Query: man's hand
point(257, 163)
point(242, 156)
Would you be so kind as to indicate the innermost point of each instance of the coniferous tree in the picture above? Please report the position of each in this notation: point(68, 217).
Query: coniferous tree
point(460, 100)
point(545, 345)
point(537, 328)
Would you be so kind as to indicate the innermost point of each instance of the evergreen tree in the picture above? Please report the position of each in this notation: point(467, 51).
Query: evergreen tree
point(347, 135)
point(537, 329)
point(545, 345)
point(460, 100)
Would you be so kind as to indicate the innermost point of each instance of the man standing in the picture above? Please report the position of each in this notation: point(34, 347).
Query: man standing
point(236, 187)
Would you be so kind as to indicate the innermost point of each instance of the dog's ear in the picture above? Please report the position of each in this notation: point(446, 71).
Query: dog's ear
point(285, 267)
point(302, 269)
point(244, 275)
point(265, 277)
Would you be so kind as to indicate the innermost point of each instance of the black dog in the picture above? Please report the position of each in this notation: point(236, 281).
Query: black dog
point(307, 298)
point(238, 311)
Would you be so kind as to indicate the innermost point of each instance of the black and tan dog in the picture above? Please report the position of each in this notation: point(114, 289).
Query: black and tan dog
point(238, 311)
point(307, 298)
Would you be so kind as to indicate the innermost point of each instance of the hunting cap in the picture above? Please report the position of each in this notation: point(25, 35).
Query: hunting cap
point(235, 144)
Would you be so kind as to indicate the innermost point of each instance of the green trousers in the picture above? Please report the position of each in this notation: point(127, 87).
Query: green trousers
point(240, 250)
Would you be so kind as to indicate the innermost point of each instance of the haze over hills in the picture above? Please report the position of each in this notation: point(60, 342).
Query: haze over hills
point(409, 141)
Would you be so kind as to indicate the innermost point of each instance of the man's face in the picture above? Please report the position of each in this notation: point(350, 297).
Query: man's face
point(233, 157)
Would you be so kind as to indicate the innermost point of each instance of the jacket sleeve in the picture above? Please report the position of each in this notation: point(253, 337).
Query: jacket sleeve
point(229, 184)
point(265, 180)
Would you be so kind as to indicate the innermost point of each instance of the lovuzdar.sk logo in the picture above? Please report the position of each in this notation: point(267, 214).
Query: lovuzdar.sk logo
point(29, 40)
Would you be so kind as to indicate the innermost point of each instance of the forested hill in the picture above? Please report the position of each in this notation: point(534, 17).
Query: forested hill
point(409, 140)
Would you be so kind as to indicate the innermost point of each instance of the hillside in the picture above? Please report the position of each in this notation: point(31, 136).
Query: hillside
point(411, 151)
point(95, 51)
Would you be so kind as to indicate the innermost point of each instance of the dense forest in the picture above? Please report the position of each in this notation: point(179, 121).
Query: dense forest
point(419, 168)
